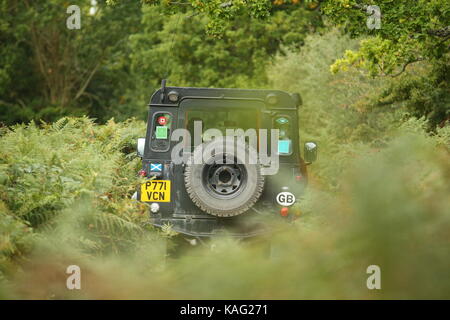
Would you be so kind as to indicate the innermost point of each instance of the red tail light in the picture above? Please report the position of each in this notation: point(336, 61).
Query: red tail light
point(142, 173)
point(284, 212)
point(298, 178)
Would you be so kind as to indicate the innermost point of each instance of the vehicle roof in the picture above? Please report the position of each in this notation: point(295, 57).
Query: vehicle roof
point(285, 100)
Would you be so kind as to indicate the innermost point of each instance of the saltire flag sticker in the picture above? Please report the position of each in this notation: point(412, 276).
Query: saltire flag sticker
point(155, 166)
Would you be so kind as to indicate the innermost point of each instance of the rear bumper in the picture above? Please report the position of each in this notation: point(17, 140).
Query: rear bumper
point(201, 227)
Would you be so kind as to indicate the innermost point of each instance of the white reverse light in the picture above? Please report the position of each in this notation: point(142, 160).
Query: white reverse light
point(154, 207)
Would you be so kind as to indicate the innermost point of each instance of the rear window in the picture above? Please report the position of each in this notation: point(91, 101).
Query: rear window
point(222, 119)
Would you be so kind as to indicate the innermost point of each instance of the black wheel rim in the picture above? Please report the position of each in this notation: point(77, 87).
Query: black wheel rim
point(224, 180)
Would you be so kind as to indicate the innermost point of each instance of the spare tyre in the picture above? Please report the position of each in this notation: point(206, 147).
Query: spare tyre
point(224, 183)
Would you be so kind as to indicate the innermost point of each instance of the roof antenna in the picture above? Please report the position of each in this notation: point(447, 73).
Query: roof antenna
point(163, 89)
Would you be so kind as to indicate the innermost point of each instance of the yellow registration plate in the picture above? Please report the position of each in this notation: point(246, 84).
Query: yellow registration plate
point(156, 191)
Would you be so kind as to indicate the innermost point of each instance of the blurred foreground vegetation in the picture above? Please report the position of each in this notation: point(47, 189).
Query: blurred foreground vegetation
point(66, 201)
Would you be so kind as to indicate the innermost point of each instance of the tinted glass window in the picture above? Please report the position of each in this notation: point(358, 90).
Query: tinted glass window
point(221, 119)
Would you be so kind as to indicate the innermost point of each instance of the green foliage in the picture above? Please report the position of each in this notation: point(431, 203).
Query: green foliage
point(337, 111)
point(391, 211)
point(409, 32)
point(45, 171)
point(176, 46)
point(48, 71)
point(424, 91)
point(346, 112)
point(220, 13)
point(16, 238)
point(110, 67)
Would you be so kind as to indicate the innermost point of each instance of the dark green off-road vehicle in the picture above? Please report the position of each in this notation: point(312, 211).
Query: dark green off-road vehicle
point(222, 160)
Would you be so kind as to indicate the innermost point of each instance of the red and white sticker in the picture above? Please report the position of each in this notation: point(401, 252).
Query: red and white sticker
point(162, 121)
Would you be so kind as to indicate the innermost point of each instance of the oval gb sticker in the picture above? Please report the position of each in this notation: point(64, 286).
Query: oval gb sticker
point(285, 199)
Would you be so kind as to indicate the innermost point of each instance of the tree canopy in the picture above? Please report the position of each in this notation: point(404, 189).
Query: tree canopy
point(111, 65)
